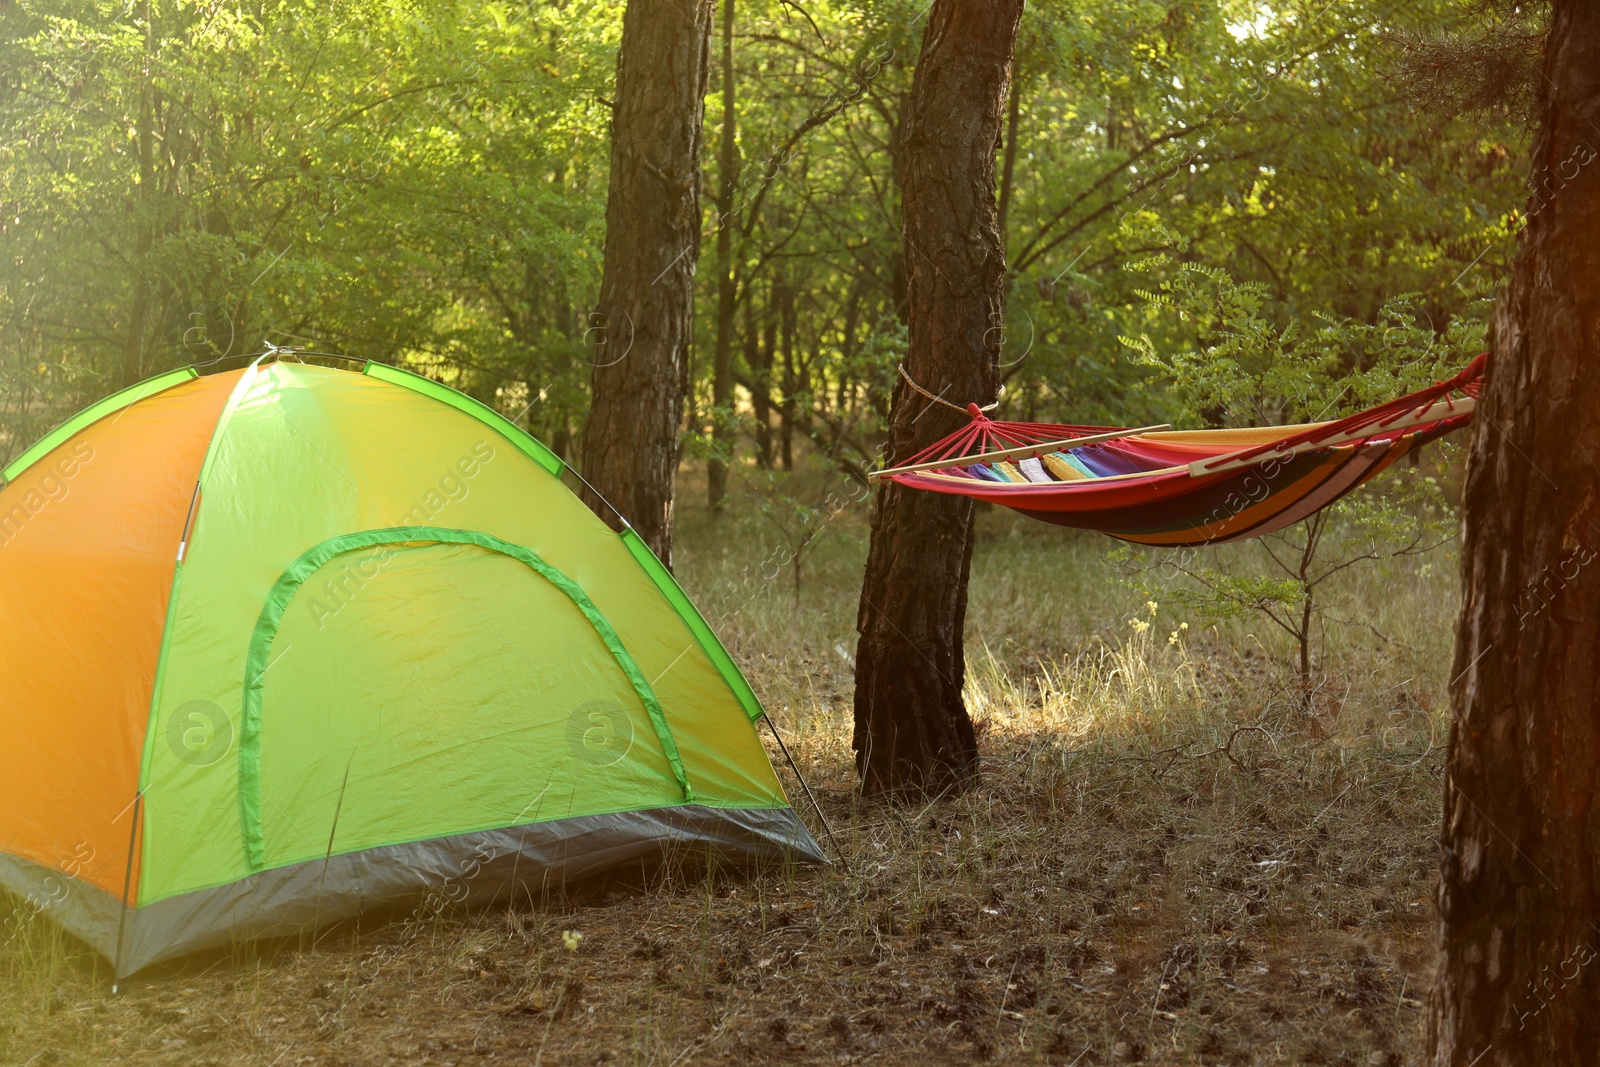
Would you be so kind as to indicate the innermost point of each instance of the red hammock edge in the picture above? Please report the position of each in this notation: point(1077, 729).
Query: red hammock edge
point(984, 434)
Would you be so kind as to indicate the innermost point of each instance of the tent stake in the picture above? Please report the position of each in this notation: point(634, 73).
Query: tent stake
point(809, 795)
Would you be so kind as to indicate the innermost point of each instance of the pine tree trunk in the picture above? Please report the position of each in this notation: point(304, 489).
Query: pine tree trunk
point(1518, 981)
point(646, 310)
point(912, 732)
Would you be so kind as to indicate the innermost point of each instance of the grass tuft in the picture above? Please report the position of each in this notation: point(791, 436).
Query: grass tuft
point(1172, 859)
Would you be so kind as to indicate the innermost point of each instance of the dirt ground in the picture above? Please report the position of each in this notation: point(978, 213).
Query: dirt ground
point(1173, 858)
point(1179, 908)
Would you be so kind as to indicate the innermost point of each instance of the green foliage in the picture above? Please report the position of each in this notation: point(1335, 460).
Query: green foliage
point(427, 184)
point(1228, 596)
point(802, 510)
point(1245, 370)
point(367, 177)
point(1269, 137)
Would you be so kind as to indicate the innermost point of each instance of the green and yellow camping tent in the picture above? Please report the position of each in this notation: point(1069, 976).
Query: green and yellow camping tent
point(284, 644)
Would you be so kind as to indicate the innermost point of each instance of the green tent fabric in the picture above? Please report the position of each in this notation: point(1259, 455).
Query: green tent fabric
point(326, 641)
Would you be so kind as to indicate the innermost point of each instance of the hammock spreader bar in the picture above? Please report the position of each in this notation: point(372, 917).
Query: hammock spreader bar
point(1179, 488)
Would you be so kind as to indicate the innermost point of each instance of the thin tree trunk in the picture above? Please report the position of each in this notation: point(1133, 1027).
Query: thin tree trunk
point(1518, 982)
point(760, 364)
point(769, 351)
point(144, 215)
point(912, 732)
point(722, 433)
point(1008, 168)
point(646, 311)
point(786, 413)
point(845, 387)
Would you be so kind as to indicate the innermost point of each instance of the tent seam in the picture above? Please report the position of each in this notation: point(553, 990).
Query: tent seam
point(701, 630)
point(525, 442)
point(90, 415)
point(158, 681)
point(536, 450)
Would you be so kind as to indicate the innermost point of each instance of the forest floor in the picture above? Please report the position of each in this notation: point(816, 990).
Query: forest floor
point(1173, 857)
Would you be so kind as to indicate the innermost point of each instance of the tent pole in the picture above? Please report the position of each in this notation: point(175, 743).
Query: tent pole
point(806, 786)
point(127, 889)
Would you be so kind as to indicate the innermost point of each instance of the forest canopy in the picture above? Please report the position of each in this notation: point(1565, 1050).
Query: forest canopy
point(426, 185)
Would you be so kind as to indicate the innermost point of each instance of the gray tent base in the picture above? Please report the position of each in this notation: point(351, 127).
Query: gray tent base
point(469, 870)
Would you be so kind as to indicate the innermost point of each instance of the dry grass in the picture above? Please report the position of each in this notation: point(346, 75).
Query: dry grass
point(1169, 861)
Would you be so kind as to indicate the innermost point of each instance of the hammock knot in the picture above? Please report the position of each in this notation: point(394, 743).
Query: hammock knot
point(977, 413)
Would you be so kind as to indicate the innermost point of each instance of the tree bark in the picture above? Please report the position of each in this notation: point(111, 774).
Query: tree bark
point(1518, 981)
point(912, 732)
point(645, 319)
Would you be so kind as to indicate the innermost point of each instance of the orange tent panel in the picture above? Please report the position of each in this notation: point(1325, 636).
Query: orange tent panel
point(83, 599)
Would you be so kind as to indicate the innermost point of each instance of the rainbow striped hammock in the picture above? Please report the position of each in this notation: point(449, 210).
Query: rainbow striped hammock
point(1191, 487)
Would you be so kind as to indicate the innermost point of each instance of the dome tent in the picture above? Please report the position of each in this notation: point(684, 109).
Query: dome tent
point(285, 643)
